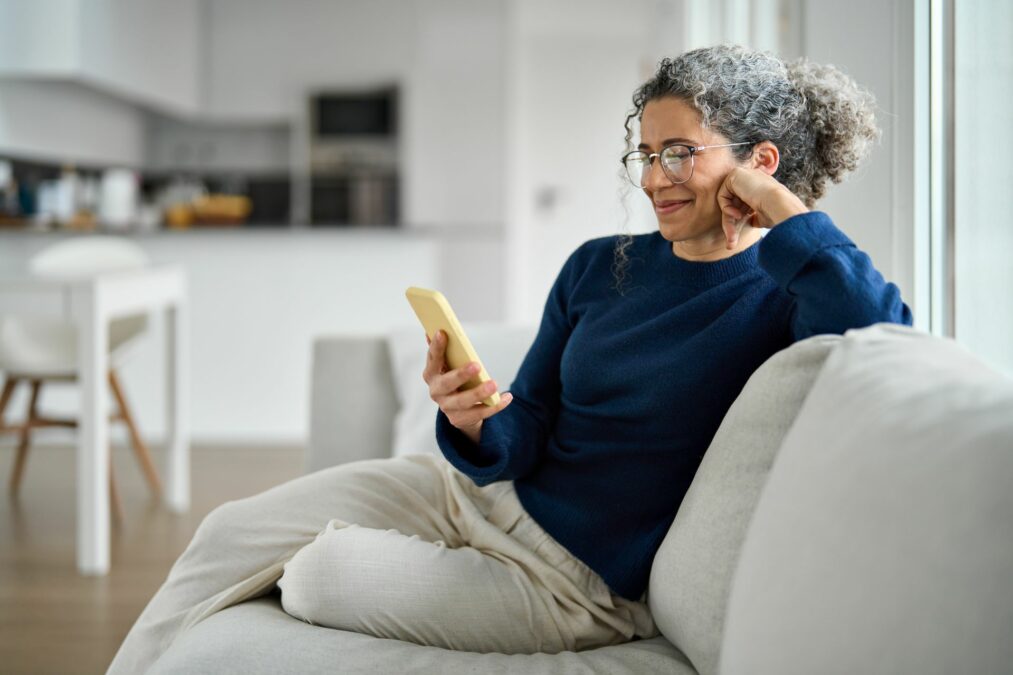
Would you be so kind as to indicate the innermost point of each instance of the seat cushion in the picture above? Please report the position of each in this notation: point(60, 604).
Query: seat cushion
point(883, 539)
point(692, 573)
point(259, 637)
point(42, 345)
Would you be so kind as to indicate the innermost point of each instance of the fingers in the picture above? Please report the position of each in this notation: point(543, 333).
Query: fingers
point(730, 226)
point(476, 412)
point(467, 398)
point(731, 234)
point(736, 213)
point(733, 227)
point(463, 408)
point(731, 204)
point(449, 382)
point(441, 381)
point(746, 195)
point(747, 186)
point(732, 210)
point(434, 358)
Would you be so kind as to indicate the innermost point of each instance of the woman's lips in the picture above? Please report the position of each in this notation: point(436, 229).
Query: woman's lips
point(670, 206)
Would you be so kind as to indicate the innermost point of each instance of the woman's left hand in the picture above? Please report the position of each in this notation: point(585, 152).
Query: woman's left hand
point(753, 197)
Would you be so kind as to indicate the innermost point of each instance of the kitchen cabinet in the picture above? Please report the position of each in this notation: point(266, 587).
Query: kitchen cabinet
point(146, 53)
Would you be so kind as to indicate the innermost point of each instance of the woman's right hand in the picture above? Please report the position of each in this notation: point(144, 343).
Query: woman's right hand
point(464, 408)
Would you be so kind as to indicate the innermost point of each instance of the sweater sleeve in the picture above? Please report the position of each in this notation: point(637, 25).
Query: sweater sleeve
point(513, 441)
point(833, 284)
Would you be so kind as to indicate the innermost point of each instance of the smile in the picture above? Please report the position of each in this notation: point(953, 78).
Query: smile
point(671, 206)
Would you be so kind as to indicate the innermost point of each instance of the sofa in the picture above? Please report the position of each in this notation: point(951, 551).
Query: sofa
point(853, 513)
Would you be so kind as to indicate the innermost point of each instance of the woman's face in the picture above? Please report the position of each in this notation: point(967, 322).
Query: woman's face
point(688, 213)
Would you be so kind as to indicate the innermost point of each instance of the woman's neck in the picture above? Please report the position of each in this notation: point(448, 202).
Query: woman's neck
point(715, 249)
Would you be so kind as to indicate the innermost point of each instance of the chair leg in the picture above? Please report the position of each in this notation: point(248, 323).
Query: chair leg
point(114, 494)
point(140, 449)
point(24, 439)
point(5, 397)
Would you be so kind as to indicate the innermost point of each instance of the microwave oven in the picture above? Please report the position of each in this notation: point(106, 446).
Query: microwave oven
point(353, 157)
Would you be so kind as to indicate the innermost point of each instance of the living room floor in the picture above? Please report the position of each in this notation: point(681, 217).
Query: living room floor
point(53, 620)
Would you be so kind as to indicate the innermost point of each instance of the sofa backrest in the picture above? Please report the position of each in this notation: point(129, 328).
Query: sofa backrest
point(352, 401)
point(692, 572)
point(883, 540)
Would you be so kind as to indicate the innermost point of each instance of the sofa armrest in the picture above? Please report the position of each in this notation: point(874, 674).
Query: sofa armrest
point(352, 401)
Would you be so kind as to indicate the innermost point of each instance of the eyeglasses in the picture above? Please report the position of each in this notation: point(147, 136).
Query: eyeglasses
point(676, 162)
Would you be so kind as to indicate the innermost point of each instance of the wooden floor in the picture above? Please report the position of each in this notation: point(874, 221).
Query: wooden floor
point(53, 620)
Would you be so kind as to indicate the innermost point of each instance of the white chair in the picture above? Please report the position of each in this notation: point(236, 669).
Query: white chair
point(39, 349)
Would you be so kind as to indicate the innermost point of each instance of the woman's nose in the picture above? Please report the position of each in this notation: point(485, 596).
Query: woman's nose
point(656, 177)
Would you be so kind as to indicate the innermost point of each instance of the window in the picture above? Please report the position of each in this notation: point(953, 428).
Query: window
point(972, 167)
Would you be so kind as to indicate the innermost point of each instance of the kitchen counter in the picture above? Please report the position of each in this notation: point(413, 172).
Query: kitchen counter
point(260, 296)
point(286, 229)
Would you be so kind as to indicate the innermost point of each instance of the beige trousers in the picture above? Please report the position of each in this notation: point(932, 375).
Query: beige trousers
point(407, 548)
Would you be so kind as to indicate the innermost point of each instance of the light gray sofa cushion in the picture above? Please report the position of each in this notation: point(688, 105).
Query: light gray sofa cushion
point(259, 637)
point(883, 540)
point(692, 572)
point(352, 401)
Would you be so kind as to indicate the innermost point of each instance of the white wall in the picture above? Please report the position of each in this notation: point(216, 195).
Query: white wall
point(573, 67)
point(263, 56)
point(454, 132)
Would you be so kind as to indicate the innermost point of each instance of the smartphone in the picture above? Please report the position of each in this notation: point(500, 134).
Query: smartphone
point(436, 314)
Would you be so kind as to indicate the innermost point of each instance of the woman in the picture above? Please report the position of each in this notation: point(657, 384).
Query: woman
point(537, 531)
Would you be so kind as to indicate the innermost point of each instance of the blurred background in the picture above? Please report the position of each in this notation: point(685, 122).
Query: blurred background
point(304, 161)
point(308, 160)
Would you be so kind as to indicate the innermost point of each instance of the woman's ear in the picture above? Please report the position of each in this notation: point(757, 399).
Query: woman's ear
point(765, 157)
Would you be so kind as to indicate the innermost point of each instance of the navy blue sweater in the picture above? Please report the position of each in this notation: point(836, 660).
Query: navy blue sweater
point(618, 397)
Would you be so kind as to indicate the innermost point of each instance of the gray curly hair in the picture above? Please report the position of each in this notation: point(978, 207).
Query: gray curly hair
point(822, 122)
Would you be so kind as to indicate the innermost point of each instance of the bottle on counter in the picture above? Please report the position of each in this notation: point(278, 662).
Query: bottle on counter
point(45, 204)
point(9, 203)
point(67, 196)
point(118, 198)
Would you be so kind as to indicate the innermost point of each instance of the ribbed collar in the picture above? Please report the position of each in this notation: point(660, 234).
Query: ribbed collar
point(702, 273)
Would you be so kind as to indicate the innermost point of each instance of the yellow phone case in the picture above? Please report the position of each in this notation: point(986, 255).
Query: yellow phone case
point(436, 314)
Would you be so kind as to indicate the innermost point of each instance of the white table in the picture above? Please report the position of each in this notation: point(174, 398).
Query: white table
point(91, 302)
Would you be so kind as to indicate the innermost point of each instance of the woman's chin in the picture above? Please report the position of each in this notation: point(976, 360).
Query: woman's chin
point(675, 231)
point(685, 229)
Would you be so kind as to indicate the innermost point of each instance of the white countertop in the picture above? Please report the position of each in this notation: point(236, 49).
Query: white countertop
point(478, 231)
